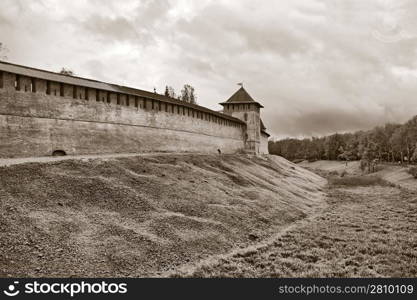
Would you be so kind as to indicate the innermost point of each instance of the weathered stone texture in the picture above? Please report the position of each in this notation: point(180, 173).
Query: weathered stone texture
point(263, 148)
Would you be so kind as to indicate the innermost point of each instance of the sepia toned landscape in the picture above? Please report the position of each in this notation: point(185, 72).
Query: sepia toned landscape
point(163, 215)
point(207, 139)
point(144, 215)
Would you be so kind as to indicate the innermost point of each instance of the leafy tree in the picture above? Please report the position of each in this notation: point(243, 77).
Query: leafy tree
point(414, 156)
point(65, 71)
point(389, 131)
point(411, 136)
point(170, 92)
point(333, 146)
point(188, 94)
point(398, 142)
point(3, 51)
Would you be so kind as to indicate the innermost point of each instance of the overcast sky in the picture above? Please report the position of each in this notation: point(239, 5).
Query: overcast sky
point(318, 67)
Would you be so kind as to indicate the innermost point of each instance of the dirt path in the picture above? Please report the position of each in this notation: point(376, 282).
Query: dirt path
point(191, 269)
point(46, 159)
point(363, 232)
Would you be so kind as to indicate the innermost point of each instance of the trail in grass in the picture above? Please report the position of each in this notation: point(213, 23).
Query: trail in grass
point(364, 232)
point(190, 269)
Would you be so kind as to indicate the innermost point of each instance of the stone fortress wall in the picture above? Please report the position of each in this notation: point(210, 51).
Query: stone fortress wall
point(42, 112)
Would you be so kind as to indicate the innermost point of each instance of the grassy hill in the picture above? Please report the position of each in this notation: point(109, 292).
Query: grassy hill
point(366, 229)
point(144, 215)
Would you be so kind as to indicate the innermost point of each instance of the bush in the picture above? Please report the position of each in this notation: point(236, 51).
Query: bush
point(297, 160)
point(359, 181)
point(413, 171)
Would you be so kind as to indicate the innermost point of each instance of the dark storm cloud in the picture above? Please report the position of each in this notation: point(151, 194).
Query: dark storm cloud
point(317, 123)
point(318, 66)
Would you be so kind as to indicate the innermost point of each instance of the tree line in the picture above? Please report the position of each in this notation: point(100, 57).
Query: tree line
point(389, 143)
point(3, 51)
point(187, 94)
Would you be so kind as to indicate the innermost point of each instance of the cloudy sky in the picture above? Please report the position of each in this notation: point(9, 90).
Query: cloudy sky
point(318, 66)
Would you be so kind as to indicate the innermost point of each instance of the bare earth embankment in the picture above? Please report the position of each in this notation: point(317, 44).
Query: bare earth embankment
point(145, 215)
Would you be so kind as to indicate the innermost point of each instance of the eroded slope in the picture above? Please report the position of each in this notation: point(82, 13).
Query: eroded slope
point(144, 215)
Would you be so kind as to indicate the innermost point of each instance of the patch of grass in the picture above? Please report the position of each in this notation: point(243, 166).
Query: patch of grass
point(364, 232)
point(359, 181)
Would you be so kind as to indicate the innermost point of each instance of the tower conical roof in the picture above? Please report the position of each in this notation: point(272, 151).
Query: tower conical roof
point(241, 96)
